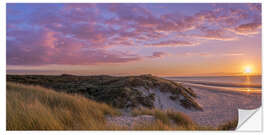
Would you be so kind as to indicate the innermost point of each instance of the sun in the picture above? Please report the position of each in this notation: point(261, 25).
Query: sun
point(247, 70)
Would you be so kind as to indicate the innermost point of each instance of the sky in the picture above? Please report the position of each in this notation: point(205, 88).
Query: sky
point(131, 39)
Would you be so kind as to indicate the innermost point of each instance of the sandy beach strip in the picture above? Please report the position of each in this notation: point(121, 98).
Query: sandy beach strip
point(221, 105)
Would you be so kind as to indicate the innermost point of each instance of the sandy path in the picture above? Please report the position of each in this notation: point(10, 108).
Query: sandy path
point(127, 121)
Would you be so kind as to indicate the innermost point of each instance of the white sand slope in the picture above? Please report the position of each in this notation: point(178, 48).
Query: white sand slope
point(162, 99)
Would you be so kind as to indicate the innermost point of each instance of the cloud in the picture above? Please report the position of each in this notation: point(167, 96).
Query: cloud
point(173, 43)
point(158, 54)
point(233, 54)
point(210, 54)
point(200, 54)
point(214, 34)
point(83, 33)
point(47, 47)
point(255, 6)
point(247, 29)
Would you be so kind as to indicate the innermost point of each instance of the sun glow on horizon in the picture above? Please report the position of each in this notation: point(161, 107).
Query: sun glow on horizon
point(247, 70)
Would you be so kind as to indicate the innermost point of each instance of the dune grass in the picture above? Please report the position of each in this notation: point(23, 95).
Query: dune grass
point(117, 91)
point(37, 108)
point(230, 125)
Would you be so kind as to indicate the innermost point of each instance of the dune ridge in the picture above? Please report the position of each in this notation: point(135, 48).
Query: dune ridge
point(120, 92)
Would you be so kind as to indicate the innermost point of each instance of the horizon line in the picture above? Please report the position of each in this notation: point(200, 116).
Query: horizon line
point(128, 74)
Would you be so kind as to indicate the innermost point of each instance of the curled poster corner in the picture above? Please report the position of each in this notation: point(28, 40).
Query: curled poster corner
point(249, 120)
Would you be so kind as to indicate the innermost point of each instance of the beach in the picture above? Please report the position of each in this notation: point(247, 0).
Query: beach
point(221, 106)
point(221, 97)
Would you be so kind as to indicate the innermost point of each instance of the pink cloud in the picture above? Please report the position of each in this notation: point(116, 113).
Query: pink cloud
point(158, 54)
point(233, 54)
point(216, 34)
point(80, 34)
point(201, 54)
point(255, 6)
point(51, 48)
point(209, 54)
point(173, 43)
point(248, 29)
point(146, 26)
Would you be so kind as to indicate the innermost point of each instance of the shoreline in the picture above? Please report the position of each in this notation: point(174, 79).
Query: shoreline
point(236, 90)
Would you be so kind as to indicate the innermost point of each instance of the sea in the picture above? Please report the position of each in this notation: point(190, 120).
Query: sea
point(232, 83)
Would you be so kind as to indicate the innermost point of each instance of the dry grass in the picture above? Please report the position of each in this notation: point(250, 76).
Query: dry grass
point(230, 125)
point(117, 91)
point(37, 108)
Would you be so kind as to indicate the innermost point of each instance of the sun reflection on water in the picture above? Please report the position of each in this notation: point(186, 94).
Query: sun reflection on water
point(247, 80)
point(250, 90)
